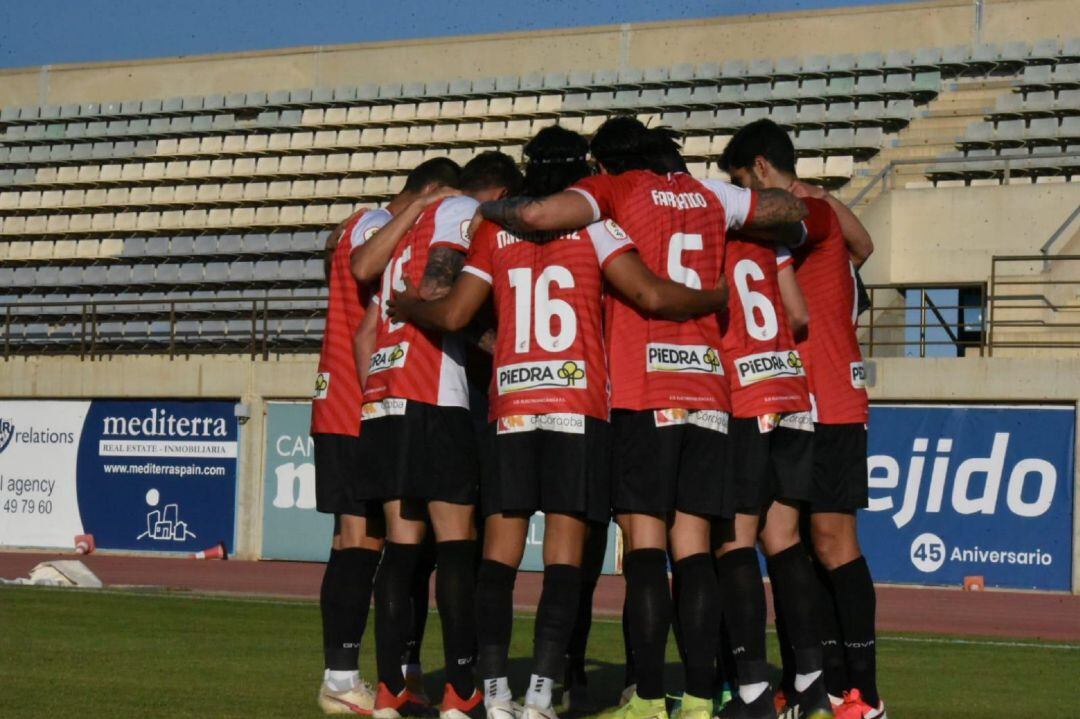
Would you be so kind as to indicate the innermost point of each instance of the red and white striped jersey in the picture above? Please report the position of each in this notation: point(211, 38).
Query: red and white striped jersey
point(548, 292)
point(335, 407)
point(762, 364)
point(410, 362)
point(679, 226)
point(834, 364)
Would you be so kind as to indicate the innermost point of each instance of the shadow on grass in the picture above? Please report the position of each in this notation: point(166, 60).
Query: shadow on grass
point(605, 684)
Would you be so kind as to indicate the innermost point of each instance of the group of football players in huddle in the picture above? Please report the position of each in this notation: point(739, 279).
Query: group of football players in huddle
point(600, 335)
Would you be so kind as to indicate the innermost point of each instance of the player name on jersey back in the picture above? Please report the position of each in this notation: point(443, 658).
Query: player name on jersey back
point(678, 200)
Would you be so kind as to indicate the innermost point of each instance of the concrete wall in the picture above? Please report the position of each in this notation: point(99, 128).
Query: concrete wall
point(290, 377)
point(950, 234)
point(859, 29)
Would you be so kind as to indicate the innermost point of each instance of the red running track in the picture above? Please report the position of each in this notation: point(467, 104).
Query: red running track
point(991, 613)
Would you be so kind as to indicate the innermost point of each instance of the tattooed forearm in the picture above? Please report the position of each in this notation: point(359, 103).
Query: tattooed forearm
point(443, 266)
point(510, 212)
point(776, 207)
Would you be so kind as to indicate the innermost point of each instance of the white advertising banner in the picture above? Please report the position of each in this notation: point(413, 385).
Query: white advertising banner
point(39, 452)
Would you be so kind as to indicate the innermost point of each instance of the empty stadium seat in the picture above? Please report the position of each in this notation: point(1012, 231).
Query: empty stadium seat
point(83, 176)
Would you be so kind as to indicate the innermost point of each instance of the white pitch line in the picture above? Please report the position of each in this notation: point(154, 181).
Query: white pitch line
point(136, 592)
point(917, 640)
point(165, 594)
point(980, 642)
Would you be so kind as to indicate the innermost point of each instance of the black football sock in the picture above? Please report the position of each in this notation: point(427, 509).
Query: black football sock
point(856, 605)
point(393, 611)
point(792, 575)
point(555, 618)
point(725, 660)
point(494, 617)
point(649, 608)
point(832, 646)
point(338, 649)
point(696, 603)
point(592, 564)
point(421, 598)
point(455, 593)
point(787, 654)
point(629, 670)
point(743, 595)
point(676, 629)
point(344, 600)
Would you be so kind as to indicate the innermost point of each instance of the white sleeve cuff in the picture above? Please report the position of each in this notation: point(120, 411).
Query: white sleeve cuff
point(476, 272)
point(592, 202)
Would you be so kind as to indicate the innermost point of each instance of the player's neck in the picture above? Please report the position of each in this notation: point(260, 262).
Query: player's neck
point(398, 203)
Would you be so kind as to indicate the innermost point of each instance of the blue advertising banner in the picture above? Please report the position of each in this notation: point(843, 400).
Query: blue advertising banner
point(292, 529)
point(149, 475)
point(965, 490)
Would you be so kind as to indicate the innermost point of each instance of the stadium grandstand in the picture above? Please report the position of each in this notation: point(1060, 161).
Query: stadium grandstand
point(162, 222)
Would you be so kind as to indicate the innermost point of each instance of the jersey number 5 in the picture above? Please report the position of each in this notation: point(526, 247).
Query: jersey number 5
point(546, 307)
point(682, 242)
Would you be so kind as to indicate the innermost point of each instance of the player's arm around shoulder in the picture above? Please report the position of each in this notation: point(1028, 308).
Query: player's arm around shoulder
point(770, 215)
point(378, 241)
point(856, 236)
point(791, 295)
point(364, 340)
point(450, 240)
point(628, 274)
point(567, 210)
point(450, 313)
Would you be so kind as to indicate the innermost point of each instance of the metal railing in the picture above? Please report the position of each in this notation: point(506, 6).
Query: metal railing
point(1057, 235)
point(894, 325)
point(1034, 302)
point(1022, 308)
point(185, 326)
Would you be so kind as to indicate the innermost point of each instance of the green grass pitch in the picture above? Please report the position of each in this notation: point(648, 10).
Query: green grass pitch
point(72, 653)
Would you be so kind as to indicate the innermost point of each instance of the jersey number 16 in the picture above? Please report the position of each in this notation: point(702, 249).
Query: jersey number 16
point(546, 309)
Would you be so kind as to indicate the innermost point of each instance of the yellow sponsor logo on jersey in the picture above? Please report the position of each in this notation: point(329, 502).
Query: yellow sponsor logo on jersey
point(385, 358)
point(322, 385)
point(695, 359)
point(548, 374)
point(768, 365)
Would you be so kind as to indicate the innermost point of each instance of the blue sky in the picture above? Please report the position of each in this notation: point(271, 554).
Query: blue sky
point(57, 31)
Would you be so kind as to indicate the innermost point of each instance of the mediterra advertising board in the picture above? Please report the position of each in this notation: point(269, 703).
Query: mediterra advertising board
point(971, 490)
point(143, 475)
